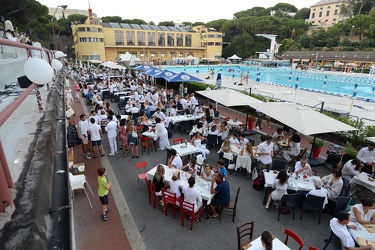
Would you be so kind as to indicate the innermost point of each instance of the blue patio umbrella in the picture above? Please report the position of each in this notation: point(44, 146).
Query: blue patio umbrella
point(152, 72)
point(183, 77)
point(144, 67)
point(165, 74)
point(218, 81)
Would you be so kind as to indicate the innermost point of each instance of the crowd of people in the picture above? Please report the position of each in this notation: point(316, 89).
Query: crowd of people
point(11, 34)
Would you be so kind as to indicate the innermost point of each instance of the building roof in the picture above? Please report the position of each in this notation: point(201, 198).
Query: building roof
point(324, 2)
point(146, 27)
point(358, 56)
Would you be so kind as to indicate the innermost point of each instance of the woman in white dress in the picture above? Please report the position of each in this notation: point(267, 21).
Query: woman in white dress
point(295, 147)
point(363, 213)
point(162, 132)
point(280, 184)
point(197, 142)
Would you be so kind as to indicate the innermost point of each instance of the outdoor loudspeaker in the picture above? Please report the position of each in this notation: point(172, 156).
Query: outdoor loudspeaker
point(24, 82)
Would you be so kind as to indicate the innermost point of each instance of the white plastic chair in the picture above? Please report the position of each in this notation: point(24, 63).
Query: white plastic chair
point(229, 157)
point(200, 162)
point(244, 162)
point(78, 182)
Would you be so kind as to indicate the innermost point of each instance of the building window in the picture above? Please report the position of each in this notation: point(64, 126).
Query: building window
point(219, 36)
point(85, 58)
point(313, 15)
point(161, 39)
point(313, 9)
point(172, 54)
point(313, 22)
point(130, 39)
point(211, 36)
point(321, 8)
point(81, 29)
point(217, 44)
point(181, 54)
point(82, 39)
point(180, 40)
point(320, 14)
point(91, 29)
point(326, 20)
point(327, 14)
point(188, 38)
point(153, 54)
point(210, 44)
point(334, 19)
point(170, 39)
point(163, 54)
point(141, 37)
point(204, 44)
point(95, 57)
point(336, 12)
point(328, 7)
point(101, 40)
point(100, 30)
point(119, 37)
point(151, 38)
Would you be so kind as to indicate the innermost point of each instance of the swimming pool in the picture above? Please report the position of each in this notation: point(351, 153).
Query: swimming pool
point(336, 84)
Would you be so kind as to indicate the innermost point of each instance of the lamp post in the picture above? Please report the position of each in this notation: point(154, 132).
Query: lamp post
point(351, 31)
point(53, 38)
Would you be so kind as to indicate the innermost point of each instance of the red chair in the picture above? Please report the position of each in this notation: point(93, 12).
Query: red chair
point(146, 143)
point(226, 119)
point(187, 208)
point(313, 248)
point(151, 192)
point(141, 166)
point(170, 202)
point(139, 129)
point(294, 236)
point(177, 140)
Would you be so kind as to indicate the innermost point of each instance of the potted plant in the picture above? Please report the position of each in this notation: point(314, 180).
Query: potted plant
point(316, 147)
point(251, 122)
point(350, 153)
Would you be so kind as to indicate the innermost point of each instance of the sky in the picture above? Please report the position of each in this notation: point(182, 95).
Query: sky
point(171, 10)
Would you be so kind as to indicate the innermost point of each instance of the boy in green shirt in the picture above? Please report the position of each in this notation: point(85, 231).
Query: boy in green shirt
point(104, 186)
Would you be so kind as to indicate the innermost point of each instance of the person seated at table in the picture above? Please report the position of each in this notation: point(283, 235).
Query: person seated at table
point(159, 114)
point(278, 138)
point(363, 213)
point(221, 167)
point(143, 109)
point(198, 109)
point(267, 240)
point(233, 140)
point(151, 108)
point(191, 167)
point(197, 141)
point(215, 121)
point(318, 191)
point(197, 129)
point(175, 160)
point(207, 174)
point(367, 155)
point(133, 110)
point(303, 168)
point(162, 132)
point(173, 111)
point(158, 181)
point(222, 193)
point(295, 147)
point(192, 195)
point(223, 131)
point(247, 151)
point(174, 185)
point(349, 170)
point(339, 227)
point(243, 141)
point(280, 183)
point(333, 183)
point(204, 122)
point(225, 147)
point(212, 131)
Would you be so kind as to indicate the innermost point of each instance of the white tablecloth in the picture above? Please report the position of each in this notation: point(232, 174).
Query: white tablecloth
point(300, 184)
point(181, 118)
point(234, 124)
point(276, 244)
point(190, 149)
point(121, 93)
point(361, 232)
point(151, 135)
point(204, 187)
point(362, 179)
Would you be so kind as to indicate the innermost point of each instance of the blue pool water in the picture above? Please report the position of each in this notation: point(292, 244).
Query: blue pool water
point(335, 84)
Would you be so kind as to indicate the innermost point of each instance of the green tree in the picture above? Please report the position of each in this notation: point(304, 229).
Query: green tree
point(187, 23)
point(361, 24)
point(111, 19)
point(346, 42)
point(285, 7)
point(133, 21)
point(303, 14)
point(364, 43)
point(198, 23)
point(166, 23)
point(318, 37)
point(305, 41)
point(77, 18)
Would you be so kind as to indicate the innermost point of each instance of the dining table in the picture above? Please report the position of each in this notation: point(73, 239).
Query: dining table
point(181, 118)
point(257, 245)
point(295, 182)
point(364, 235)
point(184, 149)
point(364, 180)
point(233, 124)
point(201, 185)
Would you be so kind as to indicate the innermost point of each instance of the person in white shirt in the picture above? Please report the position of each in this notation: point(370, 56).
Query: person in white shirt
point(159, 114)
point(96, 140)
point(295, 147)
point(173, 111)
point(83, 135)
point(133, 109)
point(207, 174)
point(363, 213)
point(339, 227)
point(303, 168)
point(175, 160)
point(95, 116)
point(233, 140)
point(349, 169)
point(367, 156)
point(319, 191)
point(174, 186)
point(198, 110)
point(192, 195)
point(265, 152)
point(243, 141)
point(191, 167)
point(162, 132)
point(111, 129)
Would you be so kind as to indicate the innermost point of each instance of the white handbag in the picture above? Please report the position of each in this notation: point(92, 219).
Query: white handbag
point(134, 134)
point(254, 174)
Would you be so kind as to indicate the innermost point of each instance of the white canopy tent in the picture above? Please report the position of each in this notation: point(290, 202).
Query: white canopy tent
point(234, 57)
point(112, 65)
point(230, 97)
point(128, 59)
